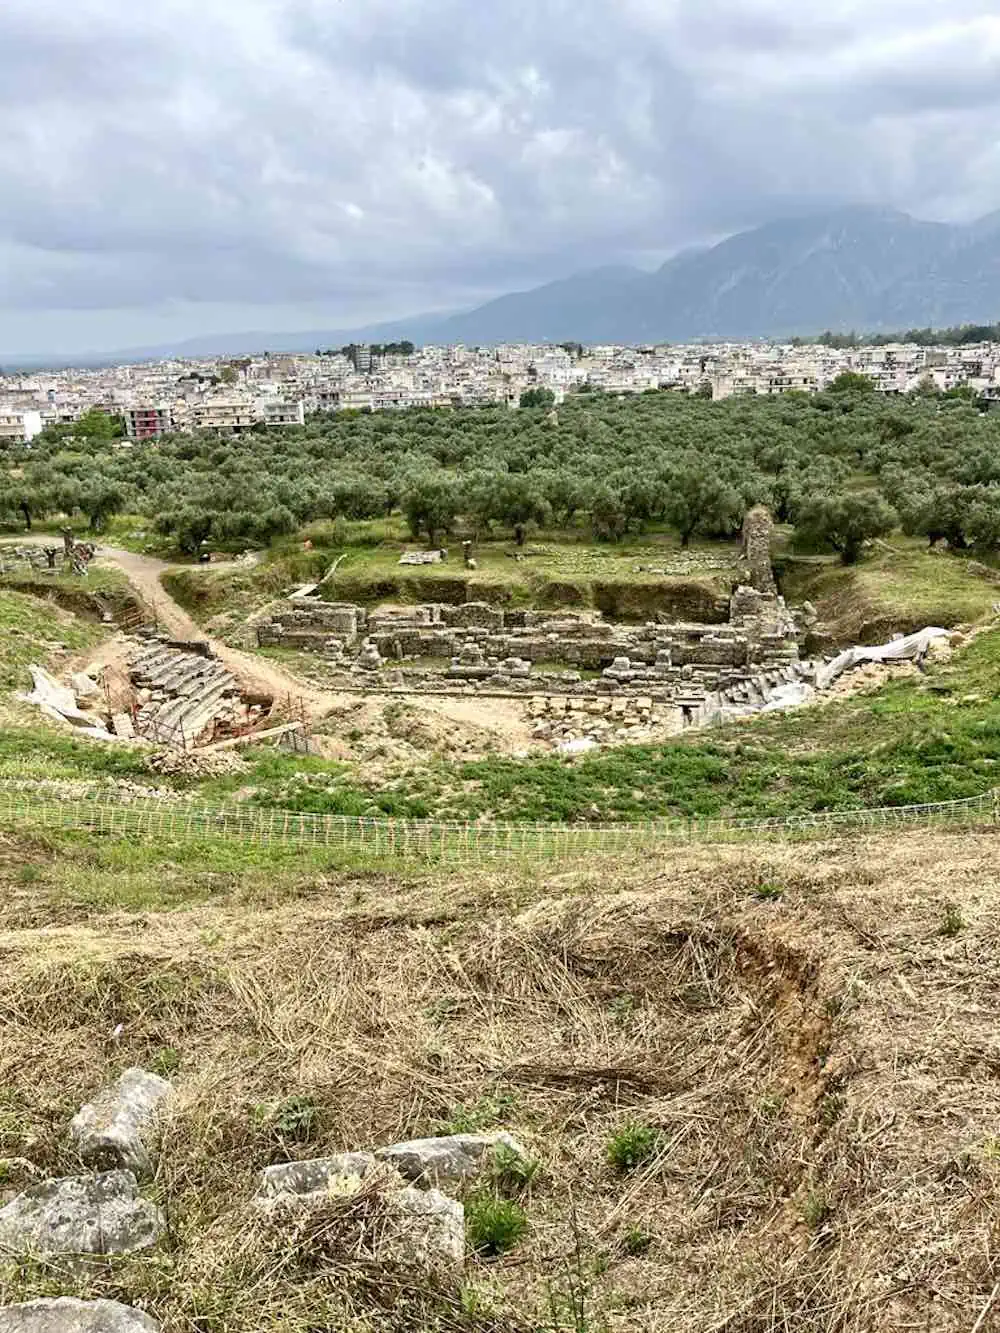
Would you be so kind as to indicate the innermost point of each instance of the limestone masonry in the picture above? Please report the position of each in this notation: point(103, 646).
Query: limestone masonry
point(696, 668)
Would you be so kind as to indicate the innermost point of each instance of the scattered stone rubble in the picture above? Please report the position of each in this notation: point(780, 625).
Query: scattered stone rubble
point(100, 1213)
point(424, 1227)
point(198, 763)
point(422, 557)
point(104, 1213)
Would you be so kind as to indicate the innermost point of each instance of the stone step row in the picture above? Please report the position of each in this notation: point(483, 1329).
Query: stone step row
point(189, 691)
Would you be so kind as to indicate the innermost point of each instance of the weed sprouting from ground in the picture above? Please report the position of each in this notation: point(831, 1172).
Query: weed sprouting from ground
point(633, 1145)
point(473, 1117)
point(952, 920)
point(295, 1120)
point(494, 1225)
point(637, 1241)
point(165, 1061)
point(511, 1173)
point(769, 891)
point(816, 1209)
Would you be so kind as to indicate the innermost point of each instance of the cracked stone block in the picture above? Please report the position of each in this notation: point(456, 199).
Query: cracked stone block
point(455, 1157)
point(100, 1214)
point(118, 1128)
point(317, 1174)
point(66, 1315)
point(425, 1229)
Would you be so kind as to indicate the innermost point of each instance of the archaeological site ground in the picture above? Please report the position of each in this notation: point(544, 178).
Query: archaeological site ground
point(477, 911)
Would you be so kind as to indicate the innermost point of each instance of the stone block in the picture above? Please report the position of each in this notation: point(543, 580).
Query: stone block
point(318, 1174)
point(118, 1128)
point(455, 1157)
point(474, 615)
point(121, 725)
point(425, 1229)
point(101, 1214)
point(64, 1314)
point(83, 687)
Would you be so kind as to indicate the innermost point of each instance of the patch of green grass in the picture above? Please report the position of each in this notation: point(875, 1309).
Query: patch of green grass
point(632, 1145)
point(557, 569)
point(494, 1226)
point(47, 753)
point(102, 581)
point(899, 586)
point(33, 631)
point(473, 1117)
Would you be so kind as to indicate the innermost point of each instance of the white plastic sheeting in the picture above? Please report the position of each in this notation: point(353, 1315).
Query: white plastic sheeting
point(58, 702)
point(912, 648)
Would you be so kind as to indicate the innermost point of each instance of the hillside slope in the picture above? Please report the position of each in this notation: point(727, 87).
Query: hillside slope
point(805, 1037)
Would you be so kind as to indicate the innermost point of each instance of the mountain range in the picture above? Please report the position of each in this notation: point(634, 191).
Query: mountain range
point(860, 267)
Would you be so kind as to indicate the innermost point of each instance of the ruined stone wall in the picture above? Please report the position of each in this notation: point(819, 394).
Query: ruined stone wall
point(473, 615)
point(489, 646)
point(343, 618)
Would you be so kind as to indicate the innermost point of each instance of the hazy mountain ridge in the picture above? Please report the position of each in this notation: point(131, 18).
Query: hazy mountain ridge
point(859, 268)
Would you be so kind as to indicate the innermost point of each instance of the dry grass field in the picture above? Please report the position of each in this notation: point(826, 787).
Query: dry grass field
point(762, 1085)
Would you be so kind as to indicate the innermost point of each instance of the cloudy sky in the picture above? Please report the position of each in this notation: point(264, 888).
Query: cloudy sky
point(170, 168)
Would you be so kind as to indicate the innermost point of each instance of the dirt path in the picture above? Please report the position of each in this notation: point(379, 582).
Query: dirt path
point(255, 673)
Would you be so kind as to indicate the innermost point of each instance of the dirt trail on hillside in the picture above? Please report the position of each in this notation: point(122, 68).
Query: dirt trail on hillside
point(255, 673)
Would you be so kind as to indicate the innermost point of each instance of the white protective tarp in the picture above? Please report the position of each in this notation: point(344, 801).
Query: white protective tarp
point(912, 648)
point(58, 702)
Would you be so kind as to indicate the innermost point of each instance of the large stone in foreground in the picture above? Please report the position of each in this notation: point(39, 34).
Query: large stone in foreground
point(453, 1158)
point(118, 1128)
point(100, 1214)
point(65, 1315)
point(325, 1174)
point(425, 1229)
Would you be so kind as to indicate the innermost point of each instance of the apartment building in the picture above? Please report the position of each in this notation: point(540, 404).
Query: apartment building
point(224, 412)
point(281, 412)
point(145, 423)
point(19, 425)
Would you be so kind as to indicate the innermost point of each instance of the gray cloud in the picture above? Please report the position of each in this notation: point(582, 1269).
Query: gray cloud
point(314, 161)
